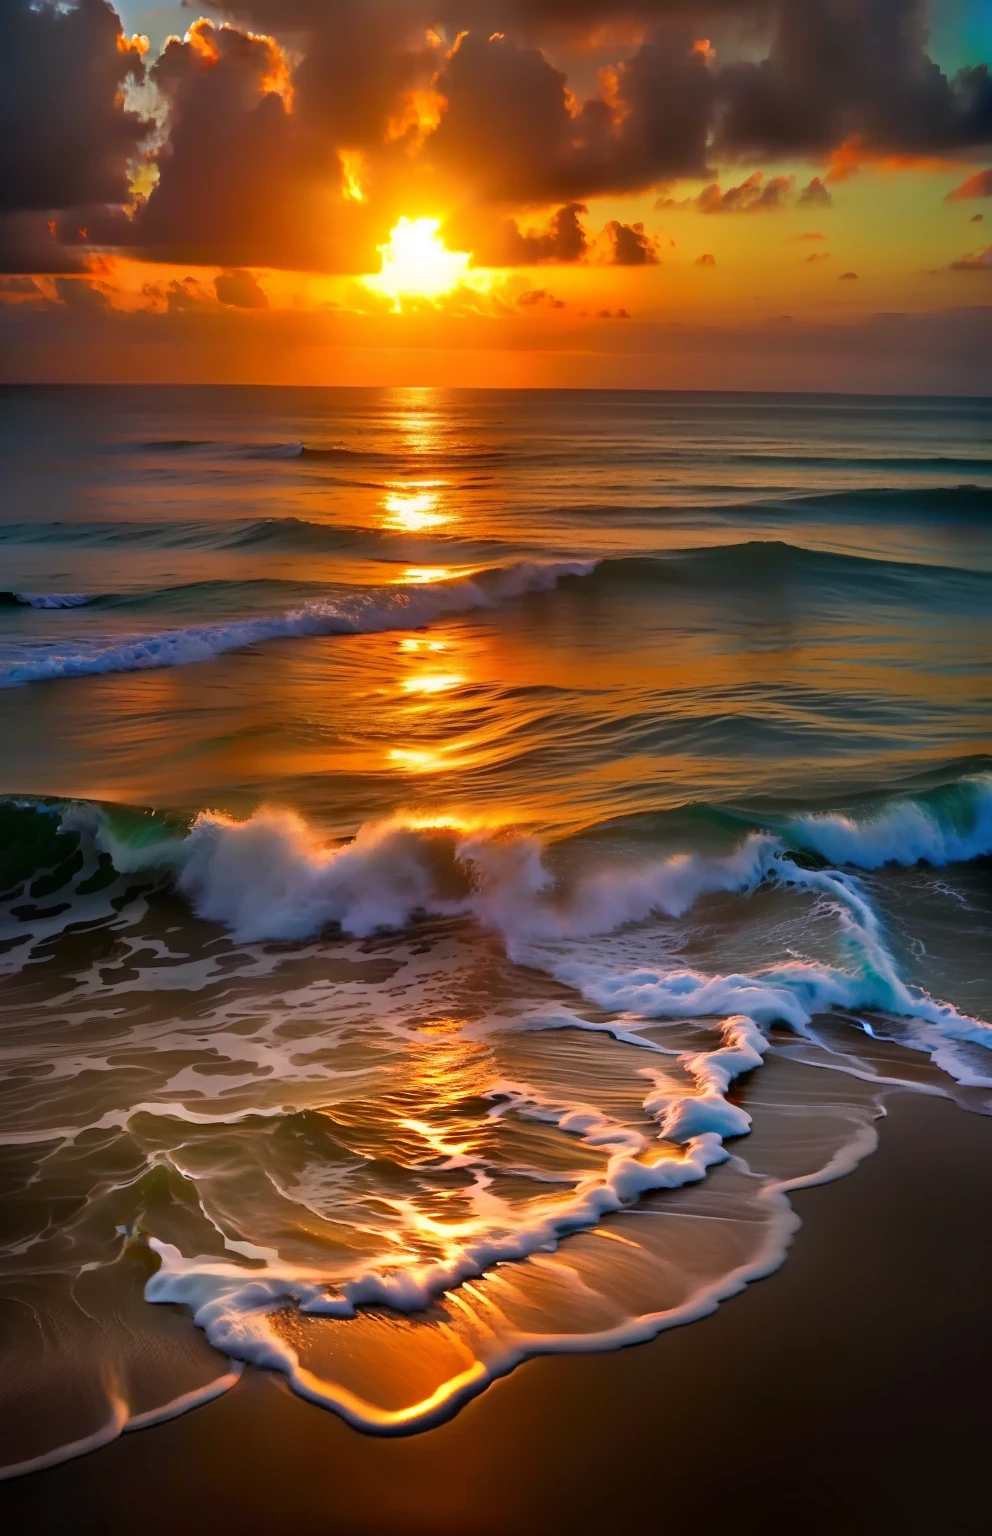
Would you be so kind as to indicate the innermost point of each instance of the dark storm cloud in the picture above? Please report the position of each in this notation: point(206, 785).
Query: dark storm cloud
point(511, 130)
point(249, 173)
point(243, 180)
point(843, 70)
point(29, 244)
point(66, 135)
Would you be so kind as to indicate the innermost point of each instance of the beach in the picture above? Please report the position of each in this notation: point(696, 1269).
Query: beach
point(844, 1393)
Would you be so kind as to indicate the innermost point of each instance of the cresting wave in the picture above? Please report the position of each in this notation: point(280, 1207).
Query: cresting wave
point(268, 877)
point(385, 608)
point(272, 877)
point(46, 599)
point(366, 613)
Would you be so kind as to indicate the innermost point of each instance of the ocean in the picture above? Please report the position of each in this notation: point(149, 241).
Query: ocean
point(465, 858)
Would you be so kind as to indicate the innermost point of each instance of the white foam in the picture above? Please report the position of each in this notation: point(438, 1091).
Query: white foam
point(903, 832)
point(793, 992)
point(271, 877)
point(407, 607)
point(54, 599)
point(233, 1304)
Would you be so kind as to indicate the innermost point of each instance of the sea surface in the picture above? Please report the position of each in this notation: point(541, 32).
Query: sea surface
point(465, 857)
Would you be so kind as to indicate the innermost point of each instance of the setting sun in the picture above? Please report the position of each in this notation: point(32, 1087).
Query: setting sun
point(417, 264)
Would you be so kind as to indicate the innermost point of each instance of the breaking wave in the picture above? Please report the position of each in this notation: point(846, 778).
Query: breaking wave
point(409, 607)
point(47, 599)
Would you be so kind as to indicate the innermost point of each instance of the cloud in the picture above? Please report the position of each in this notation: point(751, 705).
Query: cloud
point(815, 195)
point(486, 108)
point(539, 298)
point(816, 256)
point(501, 242)
point(979, 185)
point(809, 235)
point(24, 291)
point(78, 293)
point(242, 180)
point(241, 290)
point(29, 242)
point(66, 132)
point(67, 136)
point(977, 261)
point(510, 129)
point(706, 260)
point(753, 195)
point(848, 277)
point(631, 246)
point(977, 218)
point(838, 71)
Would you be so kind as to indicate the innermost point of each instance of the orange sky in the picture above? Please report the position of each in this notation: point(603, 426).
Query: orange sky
point(615, 250)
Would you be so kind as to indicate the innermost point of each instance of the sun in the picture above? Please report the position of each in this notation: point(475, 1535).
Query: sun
point(416, 264)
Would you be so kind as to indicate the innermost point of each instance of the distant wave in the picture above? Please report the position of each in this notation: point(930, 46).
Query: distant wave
point(745, 568)
point(289, 532)
point(962, 501)
point(755, 560)
point(407, 607)
point(47, 599)
point(295, 449)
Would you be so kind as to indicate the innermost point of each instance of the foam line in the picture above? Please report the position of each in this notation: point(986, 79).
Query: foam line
point(409, 607)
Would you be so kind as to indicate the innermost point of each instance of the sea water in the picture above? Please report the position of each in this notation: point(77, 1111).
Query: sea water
point(464, 859)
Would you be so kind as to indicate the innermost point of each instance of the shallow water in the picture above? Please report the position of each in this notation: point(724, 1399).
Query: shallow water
point(465, 857)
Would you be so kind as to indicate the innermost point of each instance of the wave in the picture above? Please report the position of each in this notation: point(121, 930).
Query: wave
point(756, 560)
point(47, 599)
point(296, 449)
point(283, 533)
point(409, 607)
point(268, 870)
point(272, 876)
point(926, 501)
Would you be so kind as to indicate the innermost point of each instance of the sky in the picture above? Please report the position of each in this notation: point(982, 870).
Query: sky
point(745, 194)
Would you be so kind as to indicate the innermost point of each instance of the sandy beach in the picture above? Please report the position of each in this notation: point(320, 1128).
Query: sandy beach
point(845, 1393)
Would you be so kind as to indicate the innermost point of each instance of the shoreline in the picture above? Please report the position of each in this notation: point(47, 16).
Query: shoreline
point(845, 1392)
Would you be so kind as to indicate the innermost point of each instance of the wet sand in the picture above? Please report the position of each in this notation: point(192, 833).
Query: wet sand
point(846, 1393)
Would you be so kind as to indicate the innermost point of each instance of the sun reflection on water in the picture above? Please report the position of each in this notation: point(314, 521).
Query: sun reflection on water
point(421, 575)
point(432, 682)
point(422, 759)
point(416, 643)
point(414, 507)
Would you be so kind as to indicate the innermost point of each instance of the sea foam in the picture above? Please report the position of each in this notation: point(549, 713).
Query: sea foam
point(407, 607)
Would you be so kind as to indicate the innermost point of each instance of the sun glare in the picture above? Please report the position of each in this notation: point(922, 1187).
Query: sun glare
point(413, 509)
point(417, 264)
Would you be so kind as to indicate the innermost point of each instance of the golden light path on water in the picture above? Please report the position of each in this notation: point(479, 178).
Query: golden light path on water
point(415, 505)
